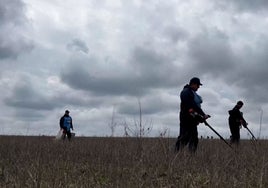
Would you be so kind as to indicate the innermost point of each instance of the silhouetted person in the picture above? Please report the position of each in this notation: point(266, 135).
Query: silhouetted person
point(191, 115)
point(236, 119)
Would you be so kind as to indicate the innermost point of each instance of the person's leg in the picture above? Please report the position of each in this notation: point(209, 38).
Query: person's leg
point(193, 142)
point(63, 134)
point(69, 135)
point(232, 137)
point(235, 134)
point(183, 137)
point(181, 142)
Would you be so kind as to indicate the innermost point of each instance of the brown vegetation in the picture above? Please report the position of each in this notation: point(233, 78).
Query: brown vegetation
point(129, 162)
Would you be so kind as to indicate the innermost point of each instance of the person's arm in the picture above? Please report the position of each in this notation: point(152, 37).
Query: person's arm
point(61, 122)
point(242, 120)
point(238, 116)
point(187, 97)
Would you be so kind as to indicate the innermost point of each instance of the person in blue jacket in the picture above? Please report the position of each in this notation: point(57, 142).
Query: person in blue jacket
point(191, 114)
point(66, 124)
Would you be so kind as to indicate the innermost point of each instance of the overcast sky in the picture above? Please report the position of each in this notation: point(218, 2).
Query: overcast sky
point(100, 59)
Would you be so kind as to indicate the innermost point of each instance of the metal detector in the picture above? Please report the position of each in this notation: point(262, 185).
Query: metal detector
point(206, 123)
point(253, 137)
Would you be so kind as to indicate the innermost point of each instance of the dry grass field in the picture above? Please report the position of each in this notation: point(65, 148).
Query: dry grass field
point(129, 162)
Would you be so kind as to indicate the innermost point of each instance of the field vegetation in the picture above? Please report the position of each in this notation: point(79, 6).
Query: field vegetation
point(129, 162)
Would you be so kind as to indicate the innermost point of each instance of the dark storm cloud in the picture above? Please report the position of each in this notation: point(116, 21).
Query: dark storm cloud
point(101, 84)
point(245, 5)
point(156, 69)
point(77, 45)
point(245, 69)
point(212, 53)
point(28, 94)
point(60, 99)
point(146, 70)
point(252, 82)
point(129, 51)
point(250, 72)
point(11, 11)
point(12, 22)
point(11, 49)
point(175, 33)
point(29, 115)
point(25, 96)
point(155, 103)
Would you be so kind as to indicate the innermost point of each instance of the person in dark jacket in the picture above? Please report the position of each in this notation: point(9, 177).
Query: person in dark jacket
point(66, 124)
point(191, 114)
point(236, 119)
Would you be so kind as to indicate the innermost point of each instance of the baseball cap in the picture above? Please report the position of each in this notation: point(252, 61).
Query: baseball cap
point(195, 80)
point(240, 103)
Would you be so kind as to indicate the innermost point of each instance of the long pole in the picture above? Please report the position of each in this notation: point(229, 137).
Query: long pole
point(260, 122)
point(253, 137)
point(206, 123)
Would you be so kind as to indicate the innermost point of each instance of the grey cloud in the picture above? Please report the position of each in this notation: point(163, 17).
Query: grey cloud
point(12, 12)
point(60, 99)
point(80, 78)
point(250, 72)
point(77, 45)
point(11, 49)
point(29, 115)
point(29, 94)
point(155, 103)
point(155, 69)
point(244, 5)
point(253, 83)
point(147, 70)
point(26, 97)
point(175, 33)
point(151, 50)
point(212, 53)
point(12, 23)
point(246, 71)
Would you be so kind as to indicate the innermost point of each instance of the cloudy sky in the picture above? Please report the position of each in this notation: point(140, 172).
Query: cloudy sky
point(105, 60)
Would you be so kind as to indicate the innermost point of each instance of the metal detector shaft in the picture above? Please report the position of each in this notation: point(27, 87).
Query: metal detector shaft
point(206, 123)
point(251, 133)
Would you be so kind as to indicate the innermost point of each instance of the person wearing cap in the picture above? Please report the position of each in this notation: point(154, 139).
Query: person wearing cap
point(66, 124)
point(235, 120)
point(190, 109)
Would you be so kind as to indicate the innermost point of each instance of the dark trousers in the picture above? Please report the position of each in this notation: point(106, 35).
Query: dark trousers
point(188, 134)
point(235, 133)
point(66, 132)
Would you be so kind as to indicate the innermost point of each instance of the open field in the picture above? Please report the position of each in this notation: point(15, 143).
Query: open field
point(129, 162)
